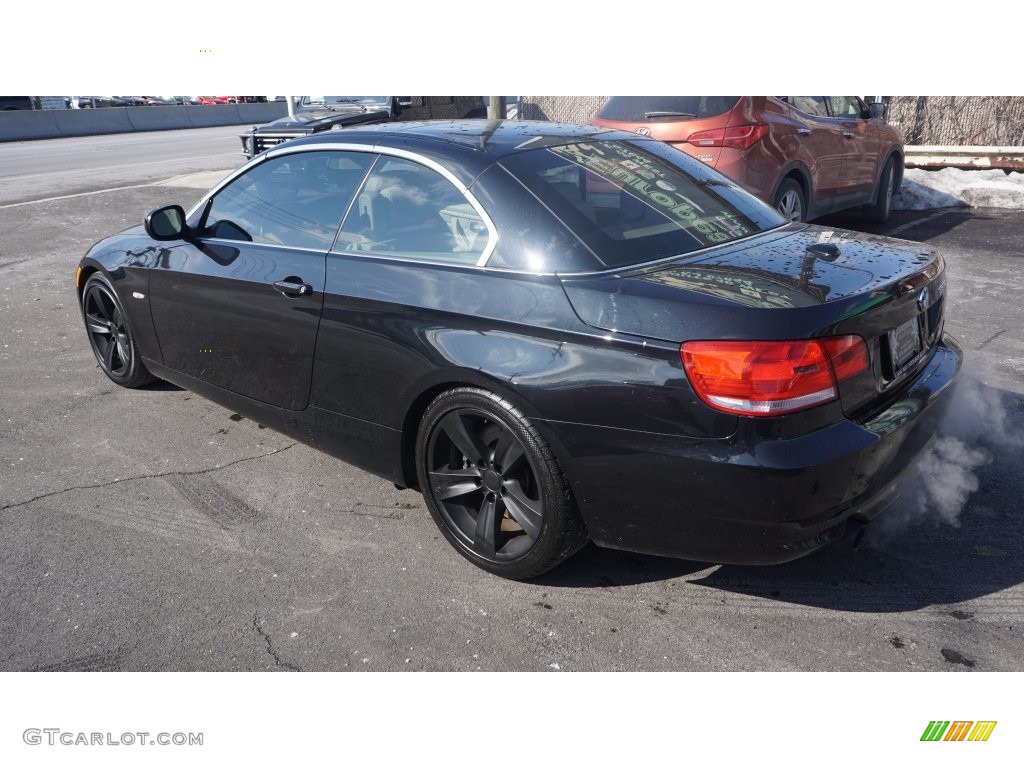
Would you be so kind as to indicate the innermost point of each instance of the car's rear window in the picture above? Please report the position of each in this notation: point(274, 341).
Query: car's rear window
point(630, 202)
point(638, 109)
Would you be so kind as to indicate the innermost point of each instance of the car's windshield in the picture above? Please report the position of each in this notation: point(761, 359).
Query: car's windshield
point(632, 202)
point(327, 100)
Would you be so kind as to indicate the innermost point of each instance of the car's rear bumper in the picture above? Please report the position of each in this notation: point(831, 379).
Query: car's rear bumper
point(746, 501)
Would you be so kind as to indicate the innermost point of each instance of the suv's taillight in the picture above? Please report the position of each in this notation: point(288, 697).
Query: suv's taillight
point(769, 378)
point(737, 137)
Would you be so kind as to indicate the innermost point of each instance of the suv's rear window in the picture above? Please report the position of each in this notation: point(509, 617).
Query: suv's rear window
point(630, 203)
point(637, 109)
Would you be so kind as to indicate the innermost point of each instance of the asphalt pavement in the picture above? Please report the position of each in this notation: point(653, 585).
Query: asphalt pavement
point(153, 530)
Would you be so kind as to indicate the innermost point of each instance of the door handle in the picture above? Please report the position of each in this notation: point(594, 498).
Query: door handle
point(847, 135)
point(803, 131)
point(293, 286)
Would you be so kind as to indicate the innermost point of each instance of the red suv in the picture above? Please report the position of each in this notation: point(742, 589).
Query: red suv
point(806, 155)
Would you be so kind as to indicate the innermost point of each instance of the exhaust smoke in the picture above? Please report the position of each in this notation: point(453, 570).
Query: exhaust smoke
point(948, 479)
point(983, 426)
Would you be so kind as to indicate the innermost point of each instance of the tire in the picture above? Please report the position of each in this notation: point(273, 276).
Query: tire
point(790, 201)
point(493, 486)
point(879, 211)
point(110, 336)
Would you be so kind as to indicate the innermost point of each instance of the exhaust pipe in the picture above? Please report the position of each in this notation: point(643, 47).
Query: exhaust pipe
point(856, 527)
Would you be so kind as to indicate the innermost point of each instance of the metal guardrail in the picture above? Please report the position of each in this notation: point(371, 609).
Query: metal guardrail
point(967, 157)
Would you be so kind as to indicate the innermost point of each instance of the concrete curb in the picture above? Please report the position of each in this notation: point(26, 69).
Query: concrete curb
point(967, 158)
point(57, 123)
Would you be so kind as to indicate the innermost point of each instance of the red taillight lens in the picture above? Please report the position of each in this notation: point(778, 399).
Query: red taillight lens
point(768, 378)
point(737, 137)
point(848, 355)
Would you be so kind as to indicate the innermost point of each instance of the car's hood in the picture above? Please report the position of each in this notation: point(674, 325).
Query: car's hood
point(829, 274)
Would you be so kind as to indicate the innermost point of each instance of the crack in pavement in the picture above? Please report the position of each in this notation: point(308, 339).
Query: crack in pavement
point(991, 338)
point(270, 646)
point(146, 477)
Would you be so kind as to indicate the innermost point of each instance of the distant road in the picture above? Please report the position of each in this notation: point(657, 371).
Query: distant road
point(38, 170)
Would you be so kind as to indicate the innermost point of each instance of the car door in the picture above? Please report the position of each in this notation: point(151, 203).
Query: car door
point(821, 149)
point(238, 306)
point(401, 272)
point(861, 150)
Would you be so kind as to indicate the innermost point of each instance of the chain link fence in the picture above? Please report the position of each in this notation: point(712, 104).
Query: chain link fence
point(959, 120)
point(944, 120)
point(561, 109)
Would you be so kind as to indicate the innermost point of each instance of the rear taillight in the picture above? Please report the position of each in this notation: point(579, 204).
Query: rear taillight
point(737, 137)
point(769, 378)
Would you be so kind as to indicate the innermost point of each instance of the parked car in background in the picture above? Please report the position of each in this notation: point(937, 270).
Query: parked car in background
point(805, 155)
point(90, 102)
point(554, 332)
point(314, 114)
point(231, 99)
point(160, 101)
point(8, 103)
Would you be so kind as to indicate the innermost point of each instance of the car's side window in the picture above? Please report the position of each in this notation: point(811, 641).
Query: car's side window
point(844, 106)
point(297, 200)
point(809, 105)
point(408, 210)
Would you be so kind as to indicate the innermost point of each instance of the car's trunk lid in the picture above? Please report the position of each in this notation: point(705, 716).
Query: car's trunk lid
point(793, 283)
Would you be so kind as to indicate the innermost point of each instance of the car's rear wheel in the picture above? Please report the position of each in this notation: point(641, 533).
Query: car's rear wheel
point(110, 336)
point(886, 187)
point(493, 486)
point(790, 201)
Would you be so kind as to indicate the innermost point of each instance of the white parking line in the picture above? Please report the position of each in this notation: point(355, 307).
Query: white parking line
point(102, 168)
point(77, 194)
point(912, 224)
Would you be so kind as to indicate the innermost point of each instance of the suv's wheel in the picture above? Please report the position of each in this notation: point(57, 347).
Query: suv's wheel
point(493, 486)
point(883, 203)
point(110, 336)
point(790, 200)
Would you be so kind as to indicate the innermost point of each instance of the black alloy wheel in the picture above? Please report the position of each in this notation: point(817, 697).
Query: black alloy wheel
point(493, 486)
point(110, 336)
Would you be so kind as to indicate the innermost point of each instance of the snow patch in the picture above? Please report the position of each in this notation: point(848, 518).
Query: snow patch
point(952, 188)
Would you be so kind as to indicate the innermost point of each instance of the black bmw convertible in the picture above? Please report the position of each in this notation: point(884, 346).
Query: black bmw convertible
point(556, 333)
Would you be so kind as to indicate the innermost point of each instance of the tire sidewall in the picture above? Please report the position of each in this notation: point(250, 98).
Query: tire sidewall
point(553, 490)
point(885, 191)
point(882, 206)
point(137, 374)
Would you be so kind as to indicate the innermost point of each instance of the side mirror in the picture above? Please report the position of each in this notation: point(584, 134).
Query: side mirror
point(876, 110)
point(167, 223)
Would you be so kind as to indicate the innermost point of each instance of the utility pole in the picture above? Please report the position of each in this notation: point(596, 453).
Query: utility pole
point(496, 108)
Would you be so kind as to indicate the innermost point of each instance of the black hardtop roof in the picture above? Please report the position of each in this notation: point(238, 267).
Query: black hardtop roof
point(468, 144)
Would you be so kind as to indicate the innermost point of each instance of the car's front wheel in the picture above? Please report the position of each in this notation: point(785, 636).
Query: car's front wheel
point(493, 486)
point(110, 336)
